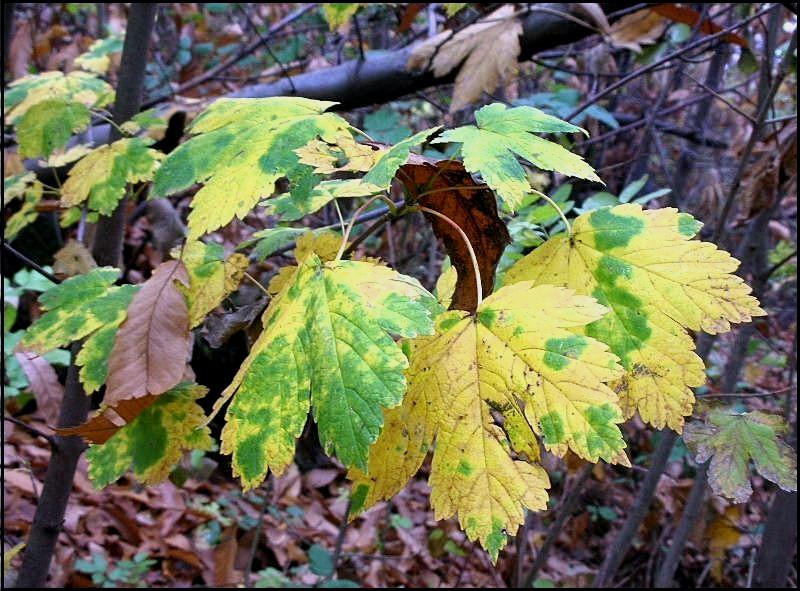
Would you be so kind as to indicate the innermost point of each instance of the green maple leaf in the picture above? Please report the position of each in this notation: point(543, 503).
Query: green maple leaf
point(102, 175)
point(326, 345)
point(48, 125)
point(501, 136)
point(83, 306)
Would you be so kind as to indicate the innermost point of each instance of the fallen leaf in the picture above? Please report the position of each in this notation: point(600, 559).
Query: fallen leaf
point(43, 382)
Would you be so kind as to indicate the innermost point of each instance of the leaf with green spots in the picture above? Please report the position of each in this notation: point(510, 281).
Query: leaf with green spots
point(75, 87)
point(27, 212)
point(292, 207)
point(97, 58)
point(502, 135)
point(731, 440)
point(87, 307)
point(152, 443)
point(327, 346)
point(48, 125)
point(102, 175)
point(516, 358)
point(240, 148)
point(212, 277)
point(656, 282)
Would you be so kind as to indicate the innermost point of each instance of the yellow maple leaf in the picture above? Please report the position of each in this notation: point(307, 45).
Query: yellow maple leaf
point(657, 282)
point(518, 358)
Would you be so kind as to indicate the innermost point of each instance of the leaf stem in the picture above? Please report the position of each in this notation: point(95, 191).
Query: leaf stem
point(256, 283)
point(558, 209)
point(476, 268)
point(349, 229)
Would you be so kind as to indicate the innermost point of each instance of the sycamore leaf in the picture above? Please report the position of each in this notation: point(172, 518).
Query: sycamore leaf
point(83, 306)
point(657, 282)
point(17, 185)
point(102, 175)
point(339, 13)
point(267, 242)
point(66, 156)
point(731, 440)
point(153, 442)
point(488, 49)
point(97, 58)
point(346, 155)
point(48, 125)
point(152, 345)
point(75, 87)
point(292, 207)
point(325, 244)
point(389, 161)
point(212, 277)
point(502, 135)
point(240, 149)
point(27, 213)
point(327, 344)
point(517, 358)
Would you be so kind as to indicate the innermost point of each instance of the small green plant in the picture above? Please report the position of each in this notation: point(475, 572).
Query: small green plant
point(125, 572)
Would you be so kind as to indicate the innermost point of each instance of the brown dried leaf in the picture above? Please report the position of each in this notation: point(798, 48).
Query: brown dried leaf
point(488, 49)
point(642, 27)
point(43, 382)
point(151, 347)
point(73, 259)
point(470, 205)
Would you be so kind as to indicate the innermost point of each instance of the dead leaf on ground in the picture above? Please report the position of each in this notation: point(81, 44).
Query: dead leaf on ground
point(43, 382)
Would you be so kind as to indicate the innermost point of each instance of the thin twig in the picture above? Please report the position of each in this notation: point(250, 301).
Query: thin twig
point(31, 263)
point(243, 53)
point(648, 68)
point(31, 429)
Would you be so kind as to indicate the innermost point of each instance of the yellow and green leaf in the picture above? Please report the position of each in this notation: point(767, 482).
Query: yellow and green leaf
point(240, 149)
point(27, 212)
point(656, 282)
point(504, 134)
point(48, 125)
point(87, 306)
point(326, 345)
point(75, 87)
point(97, 58)
point(102, 176)
point(152, 443)
point(517, 358)
point(212, 277)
